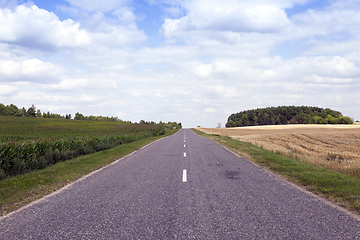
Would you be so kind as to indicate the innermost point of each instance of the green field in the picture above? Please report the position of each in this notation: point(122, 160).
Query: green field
point(30, 143)
point(25, 128)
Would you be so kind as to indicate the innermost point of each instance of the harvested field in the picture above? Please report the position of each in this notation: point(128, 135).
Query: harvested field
point(336, 147)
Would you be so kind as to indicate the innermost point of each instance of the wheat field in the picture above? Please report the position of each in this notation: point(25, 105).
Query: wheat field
point(336, 147)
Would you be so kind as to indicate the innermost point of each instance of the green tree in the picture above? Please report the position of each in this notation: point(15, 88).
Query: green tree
point(3, 111)
point(13, 111)
point(31, 112)
point(79, 116)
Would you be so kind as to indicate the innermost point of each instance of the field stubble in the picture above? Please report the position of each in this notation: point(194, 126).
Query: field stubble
point(335, 147)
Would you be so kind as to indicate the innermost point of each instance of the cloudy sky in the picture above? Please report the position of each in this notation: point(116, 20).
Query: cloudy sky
point(189, 61)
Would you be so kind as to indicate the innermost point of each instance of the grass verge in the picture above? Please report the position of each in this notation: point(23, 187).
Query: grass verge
point(20, 190)
point(343, 190)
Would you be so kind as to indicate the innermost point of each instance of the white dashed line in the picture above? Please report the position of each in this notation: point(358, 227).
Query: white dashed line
point(184, 145)
point(184, 177)
point(184, 154)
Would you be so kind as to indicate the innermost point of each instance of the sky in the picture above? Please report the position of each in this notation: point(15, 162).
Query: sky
point(189, 61)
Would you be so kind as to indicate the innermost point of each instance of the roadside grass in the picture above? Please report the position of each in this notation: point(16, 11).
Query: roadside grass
point(18, 191)
point(343, 190)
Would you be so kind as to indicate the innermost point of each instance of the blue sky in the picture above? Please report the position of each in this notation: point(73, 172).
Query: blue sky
point(194, 62)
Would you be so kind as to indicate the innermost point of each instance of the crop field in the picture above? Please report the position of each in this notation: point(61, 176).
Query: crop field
point(18, 129)
point(28, 144)
point(336, 147)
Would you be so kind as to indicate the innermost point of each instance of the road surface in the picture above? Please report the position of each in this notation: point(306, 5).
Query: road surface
point(181, 187)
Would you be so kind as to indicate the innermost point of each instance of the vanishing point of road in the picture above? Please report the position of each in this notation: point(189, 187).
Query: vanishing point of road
point(181, 187)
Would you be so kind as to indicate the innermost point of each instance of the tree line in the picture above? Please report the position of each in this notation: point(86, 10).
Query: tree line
point(13, 111)
point(283, 115)
point(79, 116)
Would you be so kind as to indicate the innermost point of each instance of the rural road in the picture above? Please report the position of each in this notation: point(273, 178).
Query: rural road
point(181, 187)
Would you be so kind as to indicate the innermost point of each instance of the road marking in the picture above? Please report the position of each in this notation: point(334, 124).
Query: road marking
point(184, 178)
point(184, 145)
point(184, 154)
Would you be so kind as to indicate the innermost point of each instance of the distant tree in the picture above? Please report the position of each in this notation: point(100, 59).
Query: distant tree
point(3, 110)
point(14, 111)
point(79, 116)
point(21, 112)
point(31, 112)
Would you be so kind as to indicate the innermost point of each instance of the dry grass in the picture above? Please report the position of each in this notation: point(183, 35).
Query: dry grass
point(336, 147)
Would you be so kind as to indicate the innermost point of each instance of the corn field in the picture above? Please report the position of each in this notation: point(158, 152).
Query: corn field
point(20, 157)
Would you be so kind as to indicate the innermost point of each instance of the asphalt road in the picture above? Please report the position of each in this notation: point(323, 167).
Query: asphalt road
point(181, 187)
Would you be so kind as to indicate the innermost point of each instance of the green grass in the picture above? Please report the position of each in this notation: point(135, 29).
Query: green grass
point(26, 128)
point(20, 190)
point(343, 190)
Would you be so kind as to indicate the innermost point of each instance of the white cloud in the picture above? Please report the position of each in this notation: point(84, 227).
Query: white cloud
point(159, 95)
point(326, 67)
point(32, 70)
point(201, 70)
point(119, 30)
point(125, 15)
point(218, 91)
point(7, 90)
point(235, 16)
point(209, 110)
point(85, 83)
point(173, 11)
point(98, 6)
point(118, 36)
point(330, 31)
point(36, 28)
point(230, 16)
